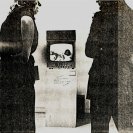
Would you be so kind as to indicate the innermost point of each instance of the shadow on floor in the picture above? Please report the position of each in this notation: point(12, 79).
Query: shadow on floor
point(83, 119)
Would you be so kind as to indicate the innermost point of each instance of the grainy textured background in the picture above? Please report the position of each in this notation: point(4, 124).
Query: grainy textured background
point(125, 68)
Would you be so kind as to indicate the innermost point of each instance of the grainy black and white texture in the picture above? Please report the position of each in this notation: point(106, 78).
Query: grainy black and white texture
point(110, 78)
point(17, 94)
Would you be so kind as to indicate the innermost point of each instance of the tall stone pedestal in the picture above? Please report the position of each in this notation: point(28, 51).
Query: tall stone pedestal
point(61, 98)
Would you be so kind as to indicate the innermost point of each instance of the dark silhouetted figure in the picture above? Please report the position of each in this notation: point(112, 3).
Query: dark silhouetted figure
point(110, 87)
point(18, 40)
point(102, 46)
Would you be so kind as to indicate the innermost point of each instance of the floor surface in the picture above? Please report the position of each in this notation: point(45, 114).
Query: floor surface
point(83, 126)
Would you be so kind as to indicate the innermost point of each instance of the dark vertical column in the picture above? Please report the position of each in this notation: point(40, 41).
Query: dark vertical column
point(0, 94)
point(125, 68)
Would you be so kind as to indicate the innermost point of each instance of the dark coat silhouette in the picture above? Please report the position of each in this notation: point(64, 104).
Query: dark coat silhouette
point(110, 86)
point(17, 79)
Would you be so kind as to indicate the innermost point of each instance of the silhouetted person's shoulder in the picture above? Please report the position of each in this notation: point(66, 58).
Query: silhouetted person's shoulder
point(92, 48)
point(97, 14)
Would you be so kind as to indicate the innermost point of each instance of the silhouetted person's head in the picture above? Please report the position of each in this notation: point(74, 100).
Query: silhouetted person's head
point(108, 5)
point(32, 4)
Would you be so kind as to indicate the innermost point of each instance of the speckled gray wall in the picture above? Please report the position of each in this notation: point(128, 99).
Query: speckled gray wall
point(125, 68)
